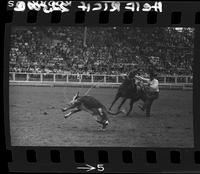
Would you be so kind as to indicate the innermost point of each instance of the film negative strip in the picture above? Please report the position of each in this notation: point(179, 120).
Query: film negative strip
point(66, 63)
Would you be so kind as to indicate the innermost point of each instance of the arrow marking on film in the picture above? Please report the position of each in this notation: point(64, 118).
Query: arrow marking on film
point(88, 168)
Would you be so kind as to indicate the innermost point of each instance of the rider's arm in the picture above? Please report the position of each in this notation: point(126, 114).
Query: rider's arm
point(154, 84)
point(142, 79)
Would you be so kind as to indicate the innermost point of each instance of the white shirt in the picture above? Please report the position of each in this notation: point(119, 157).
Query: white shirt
point(153, 84)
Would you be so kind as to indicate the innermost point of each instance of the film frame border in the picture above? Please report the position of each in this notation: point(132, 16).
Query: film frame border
point(164, 159)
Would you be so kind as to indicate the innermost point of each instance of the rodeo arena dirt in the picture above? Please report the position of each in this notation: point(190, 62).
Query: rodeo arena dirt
point(49, 65)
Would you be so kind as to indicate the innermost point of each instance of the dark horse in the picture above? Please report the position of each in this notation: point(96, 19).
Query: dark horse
point(129, 90)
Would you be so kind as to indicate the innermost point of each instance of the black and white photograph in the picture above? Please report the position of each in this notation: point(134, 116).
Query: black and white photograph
point(101, 86)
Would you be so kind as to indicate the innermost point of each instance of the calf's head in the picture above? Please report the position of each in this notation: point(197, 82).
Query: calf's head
point(75, 99)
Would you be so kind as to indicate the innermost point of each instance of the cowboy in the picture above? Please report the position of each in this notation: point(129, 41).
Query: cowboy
point(151, 91)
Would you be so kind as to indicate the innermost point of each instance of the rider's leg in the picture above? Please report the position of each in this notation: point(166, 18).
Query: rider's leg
point(149, 99)
point(148, 104)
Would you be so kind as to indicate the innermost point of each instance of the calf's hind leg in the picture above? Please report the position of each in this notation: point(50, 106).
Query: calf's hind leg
point(102, 118)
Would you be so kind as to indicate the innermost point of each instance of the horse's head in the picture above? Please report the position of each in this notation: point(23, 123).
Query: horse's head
point(131, 77)
point(132, 74)
point(129, 82)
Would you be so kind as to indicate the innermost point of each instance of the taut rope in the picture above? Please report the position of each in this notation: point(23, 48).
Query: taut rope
point(94, 85)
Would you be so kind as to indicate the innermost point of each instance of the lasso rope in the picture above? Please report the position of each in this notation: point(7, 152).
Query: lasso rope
point(90, 89)
point(94, 85)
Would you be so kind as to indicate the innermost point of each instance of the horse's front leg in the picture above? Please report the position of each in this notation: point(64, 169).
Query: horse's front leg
point(119, 107)
point(130, 108)
point(116, 98)
point(72, 112)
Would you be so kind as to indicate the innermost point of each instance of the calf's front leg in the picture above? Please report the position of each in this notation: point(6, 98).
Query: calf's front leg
point(68, 108)
point(72, 112)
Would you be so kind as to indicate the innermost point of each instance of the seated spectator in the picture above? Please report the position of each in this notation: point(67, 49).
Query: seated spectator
point(63, 46)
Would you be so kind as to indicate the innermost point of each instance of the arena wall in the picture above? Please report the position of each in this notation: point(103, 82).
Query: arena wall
point(95, 85)
point(81, 80)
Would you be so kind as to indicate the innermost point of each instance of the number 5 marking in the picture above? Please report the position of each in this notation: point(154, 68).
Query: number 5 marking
point(100, 167)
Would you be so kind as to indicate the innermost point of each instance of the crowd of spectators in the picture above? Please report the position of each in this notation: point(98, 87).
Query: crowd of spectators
point(92, 50)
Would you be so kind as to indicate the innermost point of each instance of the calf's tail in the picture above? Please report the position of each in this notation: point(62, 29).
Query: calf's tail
point(116, 113)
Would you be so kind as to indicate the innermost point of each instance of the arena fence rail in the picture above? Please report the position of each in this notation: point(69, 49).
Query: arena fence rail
point(110, 81)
